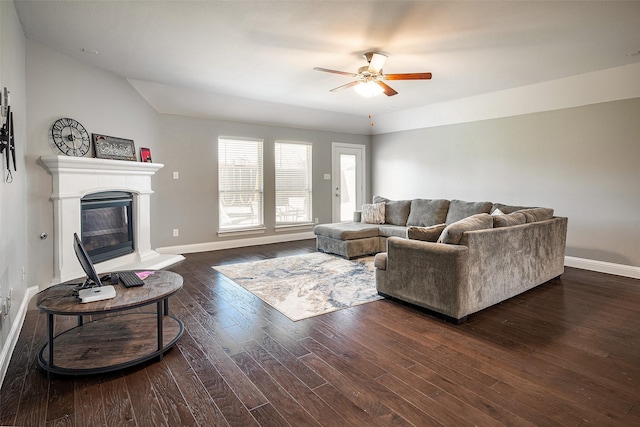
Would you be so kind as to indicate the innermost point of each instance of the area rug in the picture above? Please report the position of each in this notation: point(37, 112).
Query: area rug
point(306, 285)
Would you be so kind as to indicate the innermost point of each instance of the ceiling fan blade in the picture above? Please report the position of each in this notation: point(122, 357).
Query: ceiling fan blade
point(408, 76)
point(376, 62)
point(326, 70)
point(388, 90)
point(348, 85)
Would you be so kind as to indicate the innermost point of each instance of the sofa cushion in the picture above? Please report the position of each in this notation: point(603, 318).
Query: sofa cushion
point(507, 220)
point(426, 234)
point(507, 209)
point(537, 214)
point(387, 230)
point(427, 212)
point(396, 211)
point(459, 209)
point(373, 213)
point(452, 234)
point(346, 230)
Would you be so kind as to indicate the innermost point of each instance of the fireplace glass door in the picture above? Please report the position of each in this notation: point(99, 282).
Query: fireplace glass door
point(107, 229)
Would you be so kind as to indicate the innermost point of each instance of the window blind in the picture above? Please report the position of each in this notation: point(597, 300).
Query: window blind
point(240, 183)
point(293, 182)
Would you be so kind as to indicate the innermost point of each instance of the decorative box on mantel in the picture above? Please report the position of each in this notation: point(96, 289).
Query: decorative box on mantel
point(75, 177)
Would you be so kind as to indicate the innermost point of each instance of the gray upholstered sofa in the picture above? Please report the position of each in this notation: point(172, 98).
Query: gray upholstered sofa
point(454, 257)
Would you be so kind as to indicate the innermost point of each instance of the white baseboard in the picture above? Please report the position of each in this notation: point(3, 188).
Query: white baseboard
point(236, 243)
point(603, 267)
point(14, 333)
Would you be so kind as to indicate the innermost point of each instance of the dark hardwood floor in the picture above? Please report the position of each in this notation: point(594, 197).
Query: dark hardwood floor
point(566, 353)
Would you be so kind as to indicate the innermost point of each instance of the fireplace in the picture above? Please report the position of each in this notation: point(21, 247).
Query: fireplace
point(107, 224)
point(83, 180)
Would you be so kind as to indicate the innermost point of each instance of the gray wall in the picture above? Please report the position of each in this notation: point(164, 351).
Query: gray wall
point(13, 200)
point(59, 86)
point(189, 146)
point(583, 162)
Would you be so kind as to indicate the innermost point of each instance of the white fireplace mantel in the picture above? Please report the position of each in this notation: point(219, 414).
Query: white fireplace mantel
point(75, 177)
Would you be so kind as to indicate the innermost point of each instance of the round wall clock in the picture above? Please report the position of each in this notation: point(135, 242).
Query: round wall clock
point(69, 137)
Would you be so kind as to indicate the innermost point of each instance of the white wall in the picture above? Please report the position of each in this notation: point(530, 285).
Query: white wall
point(13, 206)
point(60, 86)
point(581, 161)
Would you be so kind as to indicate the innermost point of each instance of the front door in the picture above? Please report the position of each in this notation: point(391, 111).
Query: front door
point(348, 180)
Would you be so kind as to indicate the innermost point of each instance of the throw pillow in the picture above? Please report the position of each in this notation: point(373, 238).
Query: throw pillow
point(428, 212)
point(373, 213)
point(507, 220)
point(497, 212)
point(426, 234)
point(459, 209)
point(452, 234)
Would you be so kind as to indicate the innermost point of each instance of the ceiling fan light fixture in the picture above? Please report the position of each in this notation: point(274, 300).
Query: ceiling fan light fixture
point(368, 89)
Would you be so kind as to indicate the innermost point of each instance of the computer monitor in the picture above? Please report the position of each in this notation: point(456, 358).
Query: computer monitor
point(92, 277)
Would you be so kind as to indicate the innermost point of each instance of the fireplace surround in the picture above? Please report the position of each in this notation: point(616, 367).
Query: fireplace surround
point(76, 177)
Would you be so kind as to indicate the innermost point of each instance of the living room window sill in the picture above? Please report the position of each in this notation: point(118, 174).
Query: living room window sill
point(291, 227)
point(241, 232)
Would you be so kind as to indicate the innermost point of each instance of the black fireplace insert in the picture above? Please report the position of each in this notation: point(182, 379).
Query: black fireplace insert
point(107, 224)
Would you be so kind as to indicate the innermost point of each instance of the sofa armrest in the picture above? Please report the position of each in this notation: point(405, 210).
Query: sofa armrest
point(431, 275)
point(380, 261)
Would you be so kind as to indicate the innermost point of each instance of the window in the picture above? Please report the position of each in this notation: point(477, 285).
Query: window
point(240, 189)
point(293, 182)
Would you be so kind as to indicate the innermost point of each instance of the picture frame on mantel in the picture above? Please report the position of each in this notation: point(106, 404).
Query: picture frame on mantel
point(111, 147)
point(145, 155)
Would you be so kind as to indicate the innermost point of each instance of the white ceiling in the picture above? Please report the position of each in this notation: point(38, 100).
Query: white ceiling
point(223, 58)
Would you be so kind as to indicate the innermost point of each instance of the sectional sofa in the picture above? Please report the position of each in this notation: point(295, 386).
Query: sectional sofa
point(451, 256)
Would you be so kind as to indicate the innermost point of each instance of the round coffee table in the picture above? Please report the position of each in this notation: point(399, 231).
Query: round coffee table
point(113, 341)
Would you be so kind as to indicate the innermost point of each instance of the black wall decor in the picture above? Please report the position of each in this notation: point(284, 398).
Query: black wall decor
point(7, 138)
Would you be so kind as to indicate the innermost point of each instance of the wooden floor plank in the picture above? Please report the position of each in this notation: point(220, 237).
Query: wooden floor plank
point(204, 410)
point(358, 393)
point(299, 391)
point(146, 407)
point(566, 353)
point(171, 402)
point(230, 405)
point(207, 333)
point(279, 398)
point(61, 402)
point(290, 361)
point(116, 400)
point(89, 407)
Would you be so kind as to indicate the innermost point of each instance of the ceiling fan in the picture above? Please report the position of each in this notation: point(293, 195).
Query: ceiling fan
point(369, 79)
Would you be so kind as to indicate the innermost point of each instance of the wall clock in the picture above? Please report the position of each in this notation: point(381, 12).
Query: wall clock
point(69, 137)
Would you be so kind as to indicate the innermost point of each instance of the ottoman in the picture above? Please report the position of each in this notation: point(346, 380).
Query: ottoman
point(348, 239)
